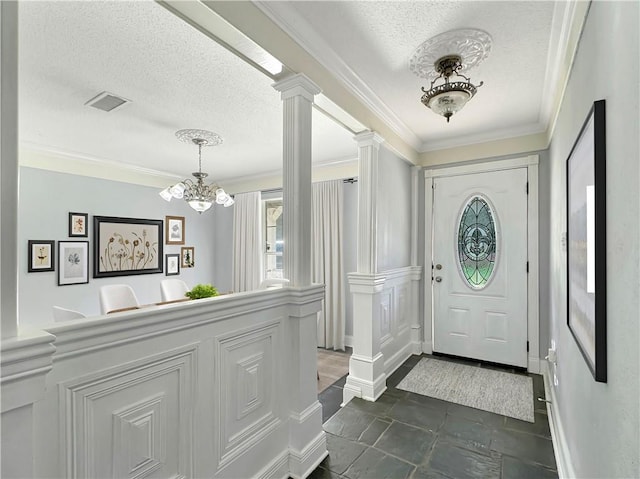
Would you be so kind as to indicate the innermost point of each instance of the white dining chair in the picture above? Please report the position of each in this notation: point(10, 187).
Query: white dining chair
point(117, 296)
point(173, 289)
point(64, 314)
point(272, 283)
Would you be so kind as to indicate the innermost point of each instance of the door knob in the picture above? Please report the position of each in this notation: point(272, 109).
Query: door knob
point(438, 266)
point(438, 279)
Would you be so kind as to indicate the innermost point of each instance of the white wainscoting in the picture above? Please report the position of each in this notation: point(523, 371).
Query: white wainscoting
point(385, 314)
point(196, 389)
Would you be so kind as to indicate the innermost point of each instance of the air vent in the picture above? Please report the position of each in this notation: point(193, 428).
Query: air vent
point(106, 101)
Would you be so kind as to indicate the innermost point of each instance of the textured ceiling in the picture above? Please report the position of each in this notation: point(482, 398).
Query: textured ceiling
point(375, 41)
point(175, 77)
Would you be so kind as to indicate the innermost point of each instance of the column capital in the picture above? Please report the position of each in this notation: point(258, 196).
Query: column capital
point(369, 138)
point(297, 85)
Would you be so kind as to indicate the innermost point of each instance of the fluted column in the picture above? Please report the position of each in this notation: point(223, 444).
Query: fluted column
point(367, 378)
point(297, 97)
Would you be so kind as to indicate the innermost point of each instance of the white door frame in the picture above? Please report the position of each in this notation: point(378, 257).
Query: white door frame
point(533, 318)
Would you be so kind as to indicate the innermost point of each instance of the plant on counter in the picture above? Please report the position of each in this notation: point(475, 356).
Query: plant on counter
point(202, 291)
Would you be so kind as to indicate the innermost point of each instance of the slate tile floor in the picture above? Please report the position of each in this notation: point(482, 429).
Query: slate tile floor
point(406, 435)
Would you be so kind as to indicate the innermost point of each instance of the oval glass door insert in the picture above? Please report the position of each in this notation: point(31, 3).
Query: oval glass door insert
point(477, 242)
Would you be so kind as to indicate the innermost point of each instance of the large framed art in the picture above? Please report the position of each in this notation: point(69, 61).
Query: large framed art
point(126, 246)
point(587, 242)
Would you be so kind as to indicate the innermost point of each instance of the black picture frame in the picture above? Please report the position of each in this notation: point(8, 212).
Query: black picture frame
point(172, 264)
point(78, 225)
point(587, 242)
point(126, 246)
point(73, 262)
point(42, 256)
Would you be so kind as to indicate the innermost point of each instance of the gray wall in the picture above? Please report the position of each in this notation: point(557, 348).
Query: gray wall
point(46, 198)
point(601, 421)
point(394, 212)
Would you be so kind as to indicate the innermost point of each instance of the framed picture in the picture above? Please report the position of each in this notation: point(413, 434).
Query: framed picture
point(187, 254)
point(586, 242)
point(41, 256)
point(174, 229)
point(172, 264)
point(73, 262)
point(78, 225)
point(126, 246)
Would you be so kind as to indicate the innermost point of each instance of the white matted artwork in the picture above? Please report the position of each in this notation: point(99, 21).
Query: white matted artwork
point(174, 229)
point(172, 266)
point(73, 262)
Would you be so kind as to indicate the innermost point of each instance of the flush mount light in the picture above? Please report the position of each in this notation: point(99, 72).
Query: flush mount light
point(442, 59)
point(199, 195)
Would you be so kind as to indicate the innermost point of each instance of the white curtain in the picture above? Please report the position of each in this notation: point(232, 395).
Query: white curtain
point(247, 242)
point(327, 261)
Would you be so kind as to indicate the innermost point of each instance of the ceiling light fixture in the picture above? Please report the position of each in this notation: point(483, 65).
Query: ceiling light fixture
point(199, 195)
point(449, 97)
point(450, 53)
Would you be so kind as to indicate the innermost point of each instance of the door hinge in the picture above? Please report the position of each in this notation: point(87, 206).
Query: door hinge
point(526, 188)
point(527, 266)
point(527, 346)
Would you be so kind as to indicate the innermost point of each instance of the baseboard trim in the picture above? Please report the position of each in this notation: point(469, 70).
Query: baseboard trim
point(560, 445)
point(278, 468)
point(302, 463)
point(427, 348)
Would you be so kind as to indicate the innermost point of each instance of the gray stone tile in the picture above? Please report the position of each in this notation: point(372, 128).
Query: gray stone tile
point(460, 463)
point(374, 464)
point(469, 434)
point(378, 408)
point(396, 393)
point(374, 431)
point(348, 423)
point(397, 376)
point(423, 472)
point(340, 382)
point(321, 473)
point(513, 468)
point(539, 427)
point(412, 360)
point(524, 446)
point(428, 401)
point(418, 415)
point(477, 415)
point(330, 398)
point(342, 453)
point(406, 442)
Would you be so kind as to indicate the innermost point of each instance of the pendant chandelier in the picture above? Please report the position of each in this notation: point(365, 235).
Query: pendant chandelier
point(199, 195)
point(441, 60)
point(449, 97)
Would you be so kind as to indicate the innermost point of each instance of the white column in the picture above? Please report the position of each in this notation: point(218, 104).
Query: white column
point(297, 97)
point(416, 270)
point(307, 442)
point(9, 168)
point(366, 378)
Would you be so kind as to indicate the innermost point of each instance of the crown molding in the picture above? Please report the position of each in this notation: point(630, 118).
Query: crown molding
point(46, 158)
point(305, 36)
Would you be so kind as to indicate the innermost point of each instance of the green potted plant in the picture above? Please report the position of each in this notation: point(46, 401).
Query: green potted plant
point(202, 291)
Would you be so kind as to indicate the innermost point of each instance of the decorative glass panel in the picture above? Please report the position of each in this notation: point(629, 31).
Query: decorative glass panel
point(477, 242)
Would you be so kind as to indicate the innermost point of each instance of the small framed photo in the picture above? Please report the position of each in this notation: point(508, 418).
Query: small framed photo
point(73, 262)
point(172, 264)
point(41, 256)
point(174, 229)
point(78, 225)
point(187, 255)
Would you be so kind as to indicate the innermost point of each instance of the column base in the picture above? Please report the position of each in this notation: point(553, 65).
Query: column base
point(366, 379)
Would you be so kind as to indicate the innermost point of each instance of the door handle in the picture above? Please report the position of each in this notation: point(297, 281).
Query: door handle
point(438, 279)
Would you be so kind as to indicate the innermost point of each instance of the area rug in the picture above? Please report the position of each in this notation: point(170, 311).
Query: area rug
point(495, 391)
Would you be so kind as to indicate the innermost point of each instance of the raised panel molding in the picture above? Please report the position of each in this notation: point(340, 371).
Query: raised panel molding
point(102, 412)
point(247, 370)
point(386, 317)
point(402, 296)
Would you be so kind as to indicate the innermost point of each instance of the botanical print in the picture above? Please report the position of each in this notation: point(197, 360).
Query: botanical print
point(78, 224)
point(173, 264)
point(174, 229)
point(127, 246)
point(188, 260)
point(73, 262)
point(41, 257)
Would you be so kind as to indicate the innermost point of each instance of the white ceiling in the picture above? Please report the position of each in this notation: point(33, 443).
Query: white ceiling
point(179, 78)
point(176, 78)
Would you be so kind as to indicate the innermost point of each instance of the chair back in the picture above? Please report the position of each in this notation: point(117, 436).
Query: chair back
point(63, 314)
point(173, 289)
point(117, 296)
point(273, 283)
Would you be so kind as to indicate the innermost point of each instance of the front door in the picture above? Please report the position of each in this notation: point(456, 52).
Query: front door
point(480, 266)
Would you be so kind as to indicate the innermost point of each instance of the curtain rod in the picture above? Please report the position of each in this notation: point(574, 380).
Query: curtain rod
point(275, 190)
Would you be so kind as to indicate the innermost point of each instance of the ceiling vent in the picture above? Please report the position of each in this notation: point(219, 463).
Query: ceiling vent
point(106, 101)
